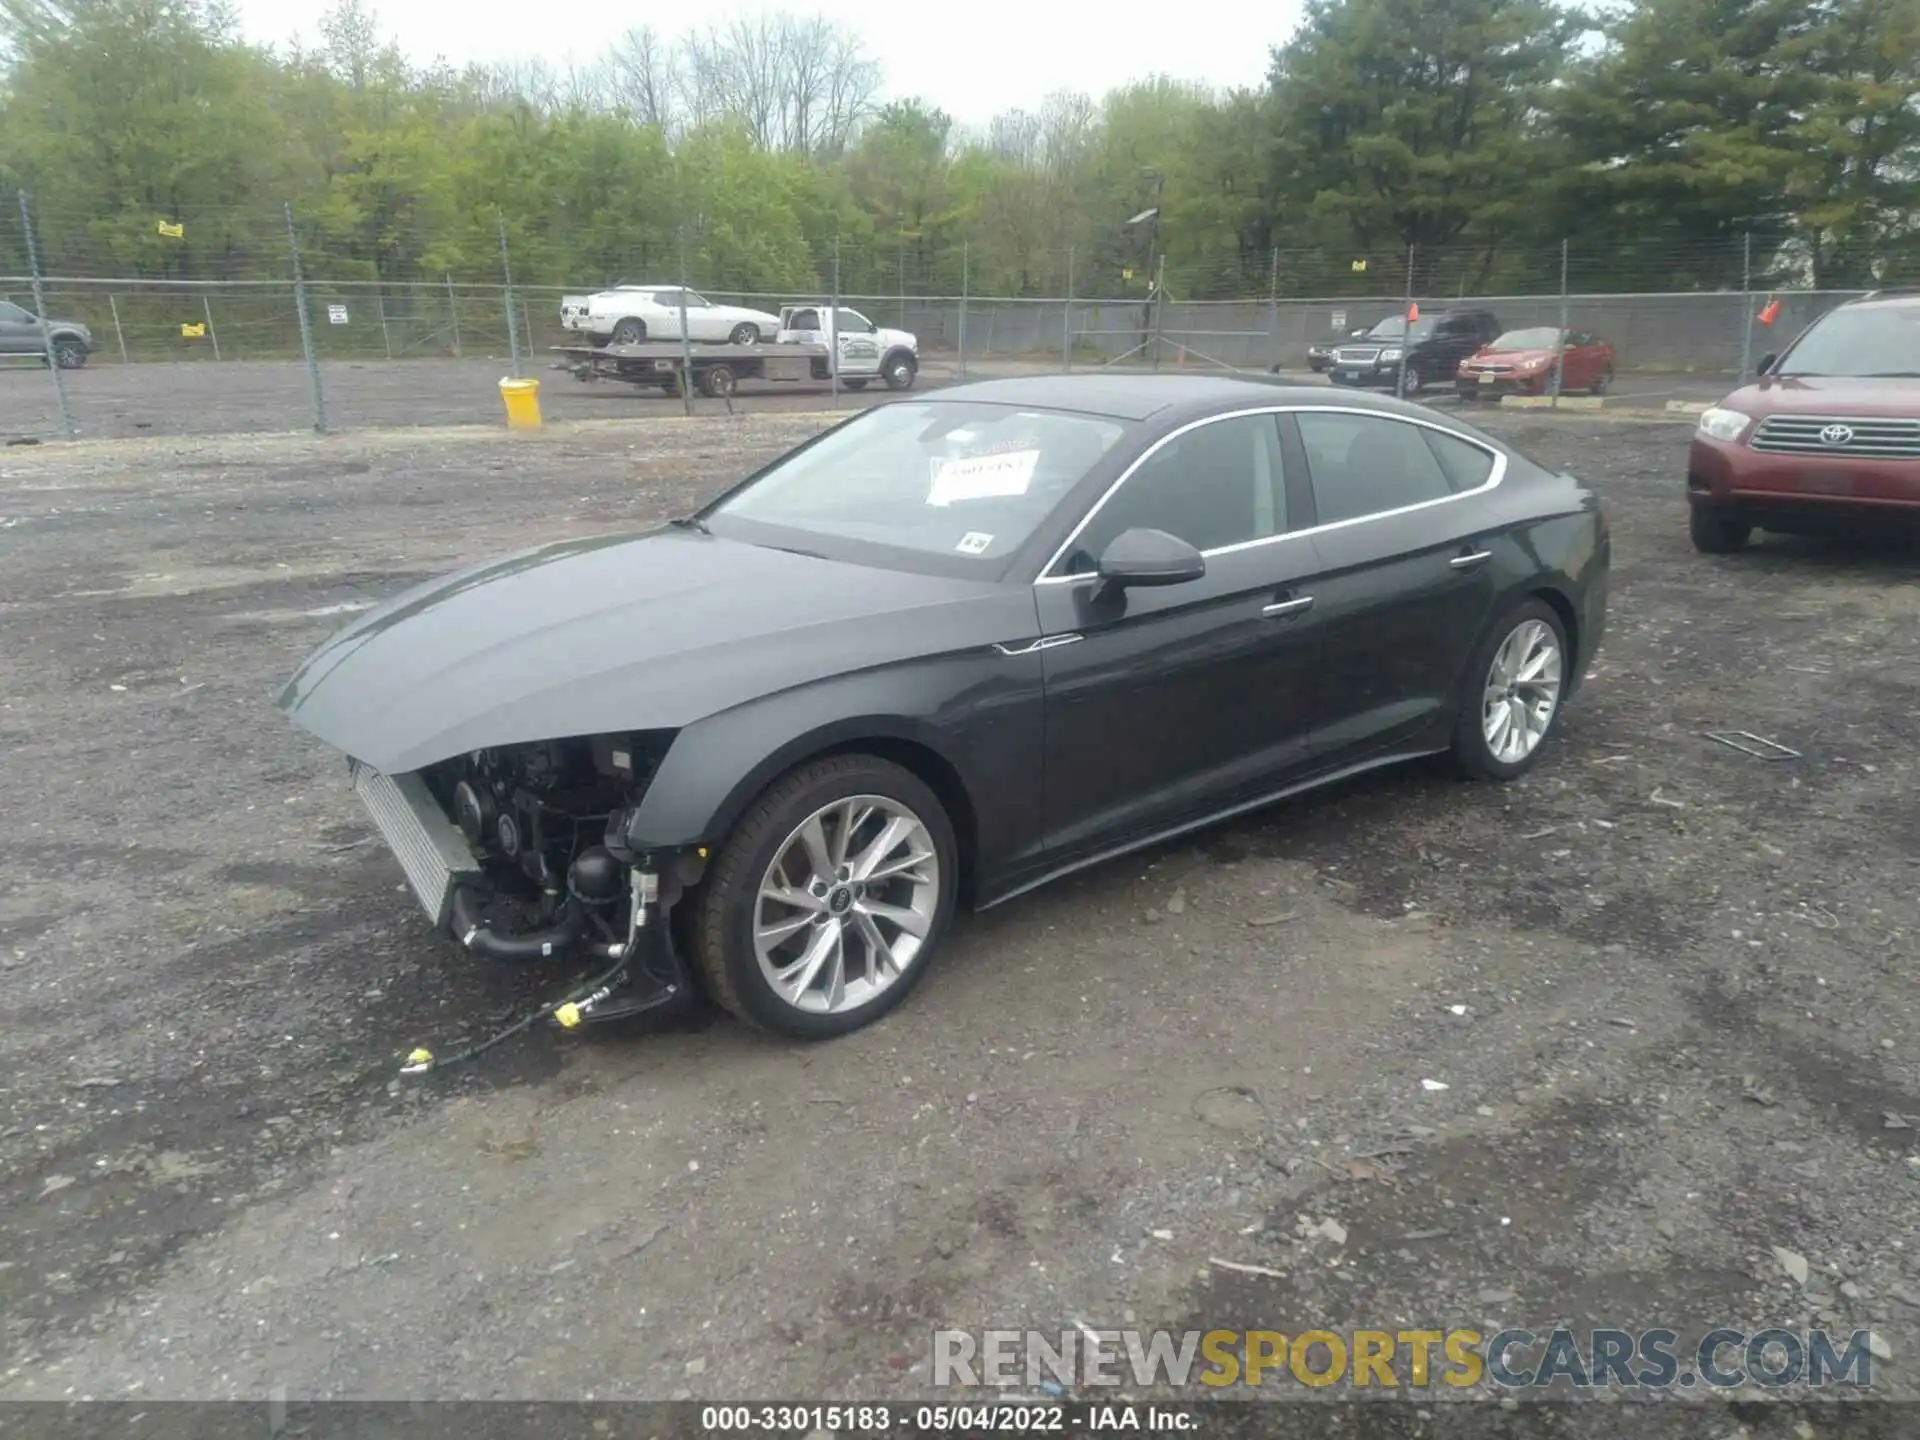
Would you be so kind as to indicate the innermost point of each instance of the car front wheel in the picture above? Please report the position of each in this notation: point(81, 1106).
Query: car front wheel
point(69, 354)
point(1715, 531)
point(827, 902)
point(744, 334)
point(1513, 695)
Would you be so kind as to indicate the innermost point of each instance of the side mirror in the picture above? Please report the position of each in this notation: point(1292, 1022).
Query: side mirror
point(1150, 557)
point(1766, 364)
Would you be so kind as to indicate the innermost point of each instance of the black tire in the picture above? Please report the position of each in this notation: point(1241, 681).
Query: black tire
point(853, 384)
point(1472, 755)
point(899, 371)
point(718, 381)
point(1600, 383)
point(629, 332)
point(1414, 383)
point(727, 897)
point(69, 353)
point(745, 333)
point(1717, 531)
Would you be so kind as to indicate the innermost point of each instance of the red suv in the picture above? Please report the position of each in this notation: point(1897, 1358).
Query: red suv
point(1828, 434)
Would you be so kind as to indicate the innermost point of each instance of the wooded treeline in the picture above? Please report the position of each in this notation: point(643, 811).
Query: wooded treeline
point(1668, 139)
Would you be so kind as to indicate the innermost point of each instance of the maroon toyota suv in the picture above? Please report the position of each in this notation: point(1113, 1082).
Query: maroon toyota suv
point(1827, 436)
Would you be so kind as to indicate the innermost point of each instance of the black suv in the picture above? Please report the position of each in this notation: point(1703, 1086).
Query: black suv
point(1430, 349)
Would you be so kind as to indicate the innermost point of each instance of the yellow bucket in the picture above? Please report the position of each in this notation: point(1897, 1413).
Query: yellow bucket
point(522, 399)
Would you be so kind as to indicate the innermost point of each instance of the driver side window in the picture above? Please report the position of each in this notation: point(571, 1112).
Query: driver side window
point(1216, 485)
point(854, 323)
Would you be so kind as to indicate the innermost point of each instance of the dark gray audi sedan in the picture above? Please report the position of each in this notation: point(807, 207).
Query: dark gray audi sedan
point(944, 652)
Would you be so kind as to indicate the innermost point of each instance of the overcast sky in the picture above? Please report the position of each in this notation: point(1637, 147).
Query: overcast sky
point(972, 58)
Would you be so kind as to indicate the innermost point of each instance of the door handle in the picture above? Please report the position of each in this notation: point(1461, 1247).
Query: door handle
point(1471, 559)
point(1287, 607)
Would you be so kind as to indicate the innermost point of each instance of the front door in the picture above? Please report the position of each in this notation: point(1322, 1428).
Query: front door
point(1408, 584)
point(1167, 704)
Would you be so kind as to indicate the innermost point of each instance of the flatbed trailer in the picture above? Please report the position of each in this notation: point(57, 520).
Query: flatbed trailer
point(716, 369)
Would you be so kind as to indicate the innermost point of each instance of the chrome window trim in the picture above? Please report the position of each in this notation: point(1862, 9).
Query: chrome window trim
point(1494, 477)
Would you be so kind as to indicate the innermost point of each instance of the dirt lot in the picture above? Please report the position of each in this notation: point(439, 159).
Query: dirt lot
point(1670, 991)
point(112, 401)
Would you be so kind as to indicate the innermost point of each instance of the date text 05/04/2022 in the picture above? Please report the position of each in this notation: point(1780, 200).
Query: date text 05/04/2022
point(882, 1418)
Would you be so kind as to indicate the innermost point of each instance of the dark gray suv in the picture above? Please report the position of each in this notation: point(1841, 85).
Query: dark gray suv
point(1430, 350)
point(21, 333)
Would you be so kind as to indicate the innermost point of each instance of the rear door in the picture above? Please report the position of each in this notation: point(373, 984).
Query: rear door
point(1171, 703)
point(1407, 584)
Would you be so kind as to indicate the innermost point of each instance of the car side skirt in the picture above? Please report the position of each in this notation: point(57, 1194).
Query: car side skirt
point(1214, 817)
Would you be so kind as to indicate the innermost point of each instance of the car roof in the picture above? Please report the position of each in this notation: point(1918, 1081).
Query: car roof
point(1163, 397)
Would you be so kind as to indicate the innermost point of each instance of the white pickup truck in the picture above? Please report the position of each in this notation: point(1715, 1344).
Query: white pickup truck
point(634, 314)
point(867, 351)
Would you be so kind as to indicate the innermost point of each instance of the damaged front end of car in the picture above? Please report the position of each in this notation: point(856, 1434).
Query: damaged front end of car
point(520, 854)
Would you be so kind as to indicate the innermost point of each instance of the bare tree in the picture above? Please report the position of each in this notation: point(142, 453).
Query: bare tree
point(799, 84)
point(1068, 121)
point(643, 72)
point(1014, 137)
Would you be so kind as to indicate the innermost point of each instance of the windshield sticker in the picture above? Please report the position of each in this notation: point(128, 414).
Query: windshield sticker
point(974, 543)
point(982, 477)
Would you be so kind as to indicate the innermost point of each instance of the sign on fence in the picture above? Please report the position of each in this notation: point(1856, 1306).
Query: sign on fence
point(1339, 319)
point(337, 314)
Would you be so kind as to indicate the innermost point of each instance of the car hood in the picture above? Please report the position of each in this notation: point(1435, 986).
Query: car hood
point(1513, 357)
point(623, 632)
point(1826, 395)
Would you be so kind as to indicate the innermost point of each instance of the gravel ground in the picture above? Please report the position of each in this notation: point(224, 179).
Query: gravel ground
point(1669, 990)
point(112, 401)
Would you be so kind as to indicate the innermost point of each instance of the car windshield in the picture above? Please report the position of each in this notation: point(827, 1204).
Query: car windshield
point(941, 477)
point(1543, 337)
point(11, 311)
point(1860, 343)
point(1394, 327)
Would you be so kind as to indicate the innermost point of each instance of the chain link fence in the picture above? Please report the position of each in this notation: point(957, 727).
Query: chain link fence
point(265, 333)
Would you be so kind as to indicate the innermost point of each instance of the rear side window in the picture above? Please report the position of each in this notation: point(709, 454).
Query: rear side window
point(1364, 465)
point(1467, 466)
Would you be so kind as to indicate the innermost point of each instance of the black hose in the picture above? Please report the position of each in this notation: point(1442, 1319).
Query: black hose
point(472, 932)
point(421, 1062)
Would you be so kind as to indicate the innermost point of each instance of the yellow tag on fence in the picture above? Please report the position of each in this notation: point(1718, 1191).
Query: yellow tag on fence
point(171, 231)
point(193, 332)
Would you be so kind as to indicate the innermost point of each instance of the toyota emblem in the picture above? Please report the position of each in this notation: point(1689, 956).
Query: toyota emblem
point(1837, 435)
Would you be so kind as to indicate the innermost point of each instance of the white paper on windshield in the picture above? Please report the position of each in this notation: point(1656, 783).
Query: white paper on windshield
point(982, 477)
point(974, 543)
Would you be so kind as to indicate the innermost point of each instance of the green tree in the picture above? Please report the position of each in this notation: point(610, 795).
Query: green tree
point(1404, 123)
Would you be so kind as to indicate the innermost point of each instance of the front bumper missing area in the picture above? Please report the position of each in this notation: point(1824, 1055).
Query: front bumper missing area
point(432, 852)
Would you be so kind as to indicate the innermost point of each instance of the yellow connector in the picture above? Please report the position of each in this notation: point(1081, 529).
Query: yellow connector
point(568, 1015)
point(420, 1057)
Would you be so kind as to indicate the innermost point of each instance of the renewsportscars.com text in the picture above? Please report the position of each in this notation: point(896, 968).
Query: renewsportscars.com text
point(1460, 1358)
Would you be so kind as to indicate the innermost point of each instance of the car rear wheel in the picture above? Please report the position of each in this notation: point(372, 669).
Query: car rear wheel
point(1513, 697)
point(827, 902)
point(1600, 383)
point(744, 334)
point(1716, 531)
point(718, 381)
point(630, 332)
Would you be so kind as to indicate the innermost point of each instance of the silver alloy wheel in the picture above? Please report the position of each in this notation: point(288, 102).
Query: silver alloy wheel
point(846, 904)
point(1522, 693)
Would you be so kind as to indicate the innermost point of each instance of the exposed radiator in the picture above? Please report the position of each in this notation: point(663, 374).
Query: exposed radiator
point(432, 852)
